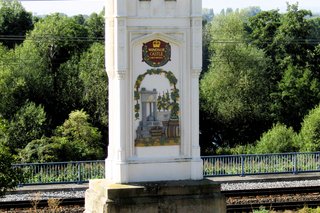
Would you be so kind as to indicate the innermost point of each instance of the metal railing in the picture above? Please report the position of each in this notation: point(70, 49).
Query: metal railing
point(61, 172)
point(220, 165)
point(255, 164)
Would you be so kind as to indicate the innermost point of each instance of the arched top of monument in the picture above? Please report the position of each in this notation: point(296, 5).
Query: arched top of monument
point(153, 8)
point(161, 36)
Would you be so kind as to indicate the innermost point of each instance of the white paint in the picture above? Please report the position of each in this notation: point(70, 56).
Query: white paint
point(157, 152)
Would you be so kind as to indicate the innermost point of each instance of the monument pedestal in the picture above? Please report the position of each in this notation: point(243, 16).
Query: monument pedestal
point(156, 170)
point(155, 197)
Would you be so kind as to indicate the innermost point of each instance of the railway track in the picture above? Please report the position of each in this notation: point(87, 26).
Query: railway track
point(291, 198)
point(272, 199)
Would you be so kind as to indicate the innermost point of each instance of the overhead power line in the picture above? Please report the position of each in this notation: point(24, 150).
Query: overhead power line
point(43, 37)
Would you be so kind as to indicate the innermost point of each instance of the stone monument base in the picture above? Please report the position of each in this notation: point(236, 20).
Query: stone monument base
point(154, 197)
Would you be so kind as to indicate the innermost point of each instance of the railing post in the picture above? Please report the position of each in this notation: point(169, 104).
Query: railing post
point(242, 166)
point(17, 168)
point(295, 163)
point(79, 173)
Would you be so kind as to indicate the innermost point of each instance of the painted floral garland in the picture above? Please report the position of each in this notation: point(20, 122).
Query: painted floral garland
point(174, 91)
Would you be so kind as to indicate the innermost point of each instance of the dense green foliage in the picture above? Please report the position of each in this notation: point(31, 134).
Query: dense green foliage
point(259, 88)
point(95, 90)
point(53, 86)
point(53, 89)
point(310, 131)
point(26, 125)
point(234, 92)
point(76, 138)
point(262, 80)
point(9, 177)
point(15, 22)
point(279, 139)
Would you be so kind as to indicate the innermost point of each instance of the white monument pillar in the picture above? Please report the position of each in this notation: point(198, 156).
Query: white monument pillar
point(153, 45)
point(153, 61)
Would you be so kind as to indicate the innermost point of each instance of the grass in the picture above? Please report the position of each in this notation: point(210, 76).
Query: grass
point(53, 205)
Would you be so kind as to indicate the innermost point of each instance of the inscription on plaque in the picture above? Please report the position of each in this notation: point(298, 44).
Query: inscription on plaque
point(156, 53)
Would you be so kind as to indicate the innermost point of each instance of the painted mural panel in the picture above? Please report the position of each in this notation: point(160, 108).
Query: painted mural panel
point(156, 98)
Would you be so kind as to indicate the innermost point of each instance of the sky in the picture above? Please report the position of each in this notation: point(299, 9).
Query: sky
point(218, 5)
point(74, 7)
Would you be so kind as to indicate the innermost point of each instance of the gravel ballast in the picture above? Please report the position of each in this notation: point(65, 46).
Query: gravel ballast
point(80, 193)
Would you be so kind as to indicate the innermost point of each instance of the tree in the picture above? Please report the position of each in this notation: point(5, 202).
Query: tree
point(287, 40)
point(235, 89)
point(298, 91)
point(279, 139)
point(251, 11)
point(262, 30)
point(3, 130)
point(79, 131)
point(310, 131)
point(314, 56)
point(314, 61)
point(95, 82)
point(46, 149)
point(27, 124)
point(15, 22)
point(57, 38)
point(205, 46)
point(12, 84)
point(31, 66)
point(80, 19)
point(69, 87)
point(95, 26)
point(75, 139)
point(291, 37)
point(9, 177)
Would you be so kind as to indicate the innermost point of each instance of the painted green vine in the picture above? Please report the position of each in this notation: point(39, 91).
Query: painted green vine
point(174, 106)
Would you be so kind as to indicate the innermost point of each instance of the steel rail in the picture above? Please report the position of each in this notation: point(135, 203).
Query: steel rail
point(267, 197)
point(236, 194)
point(273, 206)
point(271, 191)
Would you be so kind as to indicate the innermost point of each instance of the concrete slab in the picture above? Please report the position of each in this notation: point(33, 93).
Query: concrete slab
point(165, 196)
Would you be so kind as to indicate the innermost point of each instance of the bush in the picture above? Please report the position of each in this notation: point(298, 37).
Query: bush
point(310, 131)
point(75, 140)
point(9, 177)
point(279, 139)
point(238, 150)
point(45, 150)
point(84, 139)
